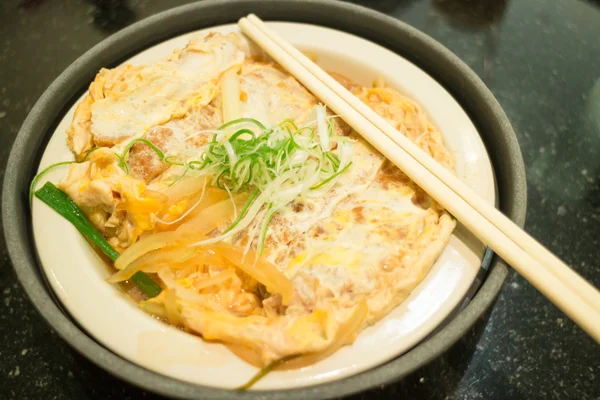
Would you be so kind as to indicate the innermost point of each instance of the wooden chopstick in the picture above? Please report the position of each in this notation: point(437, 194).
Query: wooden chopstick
point(565, 288)
point(526, 242)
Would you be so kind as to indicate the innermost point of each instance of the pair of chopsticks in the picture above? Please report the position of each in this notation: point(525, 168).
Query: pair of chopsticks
point(572, 294)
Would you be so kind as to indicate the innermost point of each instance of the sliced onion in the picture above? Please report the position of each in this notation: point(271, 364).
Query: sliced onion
point(242, 224)
point(149, 261)
point(345, 152)
point(184, 188)
point(208, 219)
point(148, 244)
point(287, 195)
point(205, 199)
point(230, 92)
point(173, 314)
point(215, 280)
point(258, 268)
point(323, 128)
point(205, 258)
point(191, 231)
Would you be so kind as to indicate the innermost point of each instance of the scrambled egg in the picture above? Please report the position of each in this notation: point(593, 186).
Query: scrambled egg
point(119, 205)
point(123, 103)
point(371, 239)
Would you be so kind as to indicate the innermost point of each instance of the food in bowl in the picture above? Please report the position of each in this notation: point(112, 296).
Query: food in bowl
point(237, 207)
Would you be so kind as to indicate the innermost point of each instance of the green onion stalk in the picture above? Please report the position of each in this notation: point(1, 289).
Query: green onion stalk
point(277, 165)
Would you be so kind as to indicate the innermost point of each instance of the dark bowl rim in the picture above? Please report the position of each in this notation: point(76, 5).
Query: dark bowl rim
point(399, 37)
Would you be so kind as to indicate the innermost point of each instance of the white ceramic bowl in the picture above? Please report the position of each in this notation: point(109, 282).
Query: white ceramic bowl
point(76, 273)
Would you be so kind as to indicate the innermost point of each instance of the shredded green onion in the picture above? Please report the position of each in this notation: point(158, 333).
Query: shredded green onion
point(281, 163)
point(35, 180)
point(332, 177)
point(43, 173)
point(167, 160)
point(244, 210)
point(263, 231)
point(277, 164)
point(60, 202)
point(122, 156)
point(264, 371)
point(241, 121)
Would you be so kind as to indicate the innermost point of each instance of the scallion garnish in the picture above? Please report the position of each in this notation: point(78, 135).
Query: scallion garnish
point(60, 202)
point(122, 156)
point(36, 179)
point(277, 164)
point(264, 371)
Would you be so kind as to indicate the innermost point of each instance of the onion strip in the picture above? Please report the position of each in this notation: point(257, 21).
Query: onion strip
point(153, 259)
point(170, 302)
point(260, 269)
point(188, 211)
point(148, 244)
point(184, 188)
point(230, 92)
point(208, 219)
point(215, 280)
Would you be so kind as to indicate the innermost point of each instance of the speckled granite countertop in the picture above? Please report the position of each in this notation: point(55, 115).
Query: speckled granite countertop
point(541, 59)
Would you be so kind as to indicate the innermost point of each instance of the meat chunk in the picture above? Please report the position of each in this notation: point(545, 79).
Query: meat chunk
point(192, 131)
point(144, 163)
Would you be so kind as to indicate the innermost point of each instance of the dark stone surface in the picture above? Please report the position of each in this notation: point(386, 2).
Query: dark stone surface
point(541, 59)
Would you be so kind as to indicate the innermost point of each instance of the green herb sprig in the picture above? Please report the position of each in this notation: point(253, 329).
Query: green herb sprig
point(60, 202)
